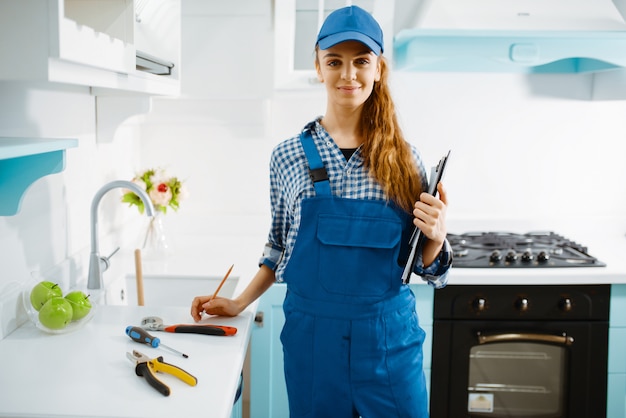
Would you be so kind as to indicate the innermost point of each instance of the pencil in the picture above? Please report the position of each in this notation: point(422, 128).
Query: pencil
point(221, 283)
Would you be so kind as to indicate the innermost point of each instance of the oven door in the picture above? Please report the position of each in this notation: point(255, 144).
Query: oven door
point(518, 369)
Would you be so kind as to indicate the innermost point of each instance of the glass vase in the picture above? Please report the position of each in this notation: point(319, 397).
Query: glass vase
point(156, 244)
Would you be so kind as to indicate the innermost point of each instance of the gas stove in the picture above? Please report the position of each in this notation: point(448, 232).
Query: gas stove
point(513, 250)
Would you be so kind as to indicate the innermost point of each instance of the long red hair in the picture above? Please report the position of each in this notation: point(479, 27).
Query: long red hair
point(386, 153)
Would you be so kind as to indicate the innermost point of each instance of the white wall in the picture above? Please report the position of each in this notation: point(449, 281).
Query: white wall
point(524, 146)
point(530, 147)
point(217, 134)
point(52, 227)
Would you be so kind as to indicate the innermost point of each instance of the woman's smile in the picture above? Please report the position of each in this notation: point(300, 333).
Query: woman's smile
point(349, 89)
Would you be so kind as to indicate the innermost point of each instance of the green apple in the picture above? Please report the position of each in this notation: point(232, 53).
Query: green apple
point(81, 305)
point(42, 292)
point(56, 313)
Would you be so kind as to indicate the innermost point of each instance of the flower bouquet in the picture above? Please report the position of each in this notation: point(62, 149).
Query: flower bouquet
point(164, 191)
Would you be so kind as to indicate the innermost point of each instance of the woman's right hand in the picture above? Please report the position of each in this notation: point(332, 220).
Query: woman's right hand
point(261, 281)
point(217, 306)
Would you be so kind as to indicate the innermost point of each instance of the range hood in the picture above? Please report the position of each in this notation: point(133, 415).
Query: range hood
point(532, 36)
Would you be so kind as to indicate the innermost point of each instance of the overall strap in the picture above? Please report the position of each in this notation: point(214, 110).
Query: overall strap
point(317, 172)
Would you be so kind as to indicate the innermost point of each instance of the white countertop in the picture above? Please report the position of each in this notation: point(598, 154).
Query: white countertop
point(86, 373)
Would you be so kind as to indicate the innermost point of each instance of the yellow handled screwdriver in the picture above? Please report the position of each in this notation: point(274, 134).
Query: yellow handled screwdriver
point(140, 335)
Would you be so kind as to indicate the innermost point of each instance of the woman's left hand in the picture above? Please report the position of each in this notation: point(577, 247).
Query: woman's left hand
point(430, 215)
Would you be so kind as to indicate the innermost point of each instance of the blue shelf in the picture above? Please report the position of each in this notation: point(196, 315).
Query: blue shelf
point(25, 160)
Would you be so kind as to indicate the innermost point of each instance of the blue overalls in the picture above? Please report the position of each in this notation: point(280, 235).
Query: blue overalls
point(351, 341)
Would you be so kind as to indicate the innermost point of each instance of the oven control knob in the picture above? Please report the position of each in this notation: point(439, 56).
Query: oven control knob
point(543, 257)
point(511, 256)
point(565, 304)
point(495, 256)
point(479, 304)
point(527, 257)
point(522, 304)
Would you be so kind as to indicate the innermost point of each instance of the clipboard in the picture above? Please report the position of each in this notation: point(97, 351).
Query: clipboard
point(417, 239)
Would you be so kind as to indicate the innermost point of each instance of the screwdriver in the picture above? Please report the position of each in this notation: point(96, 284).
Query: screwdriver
point(140, 335)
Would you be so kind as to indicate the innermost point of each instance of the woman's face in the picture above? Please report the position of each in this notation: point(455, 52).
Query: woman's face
point(348, 70)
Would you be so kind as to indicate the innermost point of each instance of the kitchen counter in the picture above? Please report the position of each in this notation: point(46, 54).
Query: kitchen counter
point(85, 373)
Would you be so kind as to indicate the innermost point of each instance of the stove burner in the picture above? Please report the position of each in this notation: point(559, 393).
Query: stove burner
point(506, 249)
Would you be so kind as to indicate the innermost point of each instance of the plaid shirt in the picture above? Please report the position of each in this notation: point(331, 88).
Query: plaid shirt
point(290, 184)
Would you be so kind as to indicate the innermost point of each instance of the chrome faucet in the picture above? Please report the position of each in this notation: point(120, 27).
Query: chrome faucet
point(97, 264)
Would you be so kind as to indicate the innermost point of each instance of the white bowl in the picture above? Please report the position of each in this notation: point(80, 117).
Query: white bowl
point(33, 314)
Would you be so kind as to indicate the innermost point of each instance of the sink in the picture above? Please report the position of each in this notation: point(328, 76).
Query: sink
point(177, 290)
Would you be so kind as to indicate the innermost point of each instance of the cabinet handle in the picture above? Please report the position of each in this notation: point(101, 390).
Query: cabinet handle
point(258, 319)
point(497, 338)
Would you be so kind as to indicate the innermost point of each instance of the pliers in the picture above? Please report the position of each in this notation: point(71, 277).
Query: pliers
point(147, 368)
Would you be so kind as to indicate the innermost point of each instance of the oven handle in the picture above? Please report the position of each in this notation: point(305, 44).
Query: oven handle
point(556, 339)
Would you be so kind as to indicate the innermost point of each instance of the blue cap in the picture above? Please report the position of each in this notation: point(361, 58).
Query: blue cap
point(351, 24)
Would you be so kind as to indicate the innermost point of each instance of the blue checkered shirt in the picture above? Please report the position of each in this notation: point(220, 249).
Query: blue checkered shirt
point(290, 184)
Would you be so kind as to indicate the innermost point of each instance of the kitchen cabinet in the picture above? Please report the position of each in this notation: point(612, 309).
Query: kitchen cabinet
point(616, 403)
point(108, 45)
point(268, 394)
point(116, 293)
point(23, 161)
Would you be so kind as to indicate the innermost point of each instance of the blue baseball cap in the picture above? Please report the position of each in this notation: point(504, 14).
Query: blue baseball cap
point(351, 24)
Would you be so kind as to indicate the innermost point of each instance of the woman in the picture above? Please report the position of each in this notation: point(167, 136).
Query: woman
point(343, 208)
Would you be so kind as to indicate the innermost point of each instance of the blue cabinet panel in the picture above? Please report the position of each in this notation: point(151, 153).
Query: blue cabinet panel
point(616, 396)
point(616, 406)
point(618, 305)
point(268, 394)
point(617, 350)
point(424, 302)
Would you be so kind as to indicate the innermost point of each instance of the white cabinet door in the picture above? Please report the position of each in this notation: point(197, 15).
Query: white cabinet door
point(115, 293)
point(90, 43)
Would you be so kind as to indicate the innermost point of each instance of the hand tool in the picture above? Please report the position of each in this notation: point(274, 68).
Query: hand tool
point(154, 323)
point(147, 368)
point(221, 283)
point(140, 335)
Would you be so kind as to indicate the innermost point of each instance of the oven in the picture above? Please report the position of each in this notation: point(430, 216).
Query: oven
point(520, 350)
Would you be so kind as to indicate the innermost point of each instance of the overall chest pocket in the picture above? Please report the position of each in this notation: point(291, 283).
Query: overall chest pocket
point(358, 255)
